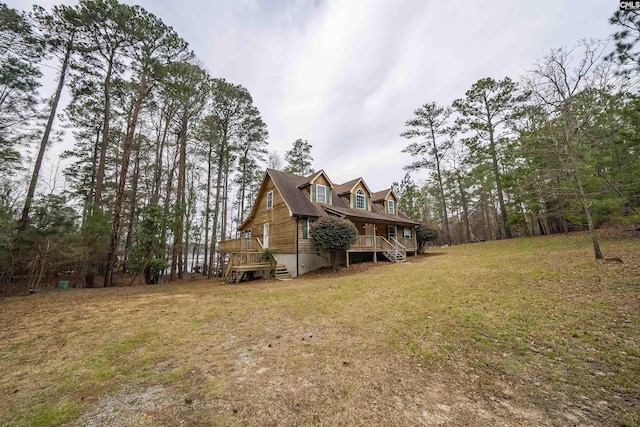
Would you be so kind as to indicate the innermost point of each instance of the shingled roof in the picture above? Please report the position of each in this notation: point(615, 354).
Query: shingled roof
point(290, 187)
point(379, 196)
point(345, 188)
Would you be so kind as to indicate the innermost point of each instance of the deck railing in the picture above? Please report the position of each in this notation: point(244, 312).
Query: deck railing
point(365, 243)
point(242, 244)
point(246, 258)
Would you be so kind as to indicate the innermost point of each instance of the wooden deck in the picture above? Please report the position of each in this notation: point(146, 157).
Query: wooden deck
point(245, 257)
point(235, 273)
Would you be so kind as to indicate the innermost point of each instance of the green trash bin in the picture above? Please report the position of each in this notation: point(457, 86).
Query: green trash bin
point(63, 284)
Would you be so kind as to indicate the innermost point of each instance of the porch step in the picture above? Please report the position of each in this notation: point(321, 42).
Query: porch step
point(235, 276)
point(394, 256)
point(282, 273)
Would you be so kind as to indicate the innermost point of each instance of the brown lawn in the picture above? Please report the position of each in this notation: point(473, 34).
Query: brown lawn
point(527, 332)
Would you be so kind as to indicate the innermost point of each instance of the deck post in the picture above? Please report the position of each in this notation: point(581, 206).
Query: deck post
point(375, 244)
point(347, 259)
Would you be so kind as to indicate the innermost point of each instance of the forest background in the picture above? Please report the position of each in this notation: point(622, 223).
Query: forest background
point(167, 160)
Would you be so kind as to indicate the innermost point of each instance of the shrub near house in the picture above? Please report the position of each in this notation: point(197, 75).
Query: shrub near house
point(333, 234)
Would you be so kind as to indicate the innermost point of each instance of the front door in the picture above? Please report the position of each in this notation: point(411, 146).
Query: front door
point(265, 235)
point(391, 232)
point(369, 231)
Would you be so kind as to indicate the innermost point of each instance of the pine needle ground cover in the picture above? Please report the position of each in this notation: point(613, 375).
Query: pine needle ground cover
point(521, 332)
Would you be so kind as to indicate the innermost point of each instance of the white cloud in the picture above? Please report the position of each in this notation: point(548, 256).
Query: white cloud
point(347, 74)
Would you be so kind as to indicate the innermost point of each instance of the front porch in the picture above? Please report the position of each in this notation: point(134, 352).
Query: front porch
point(245, 255)
point(395, 250)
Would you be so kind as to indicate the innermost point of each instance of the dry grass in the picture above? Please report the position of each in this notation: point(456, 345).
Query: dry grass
point(523, 332)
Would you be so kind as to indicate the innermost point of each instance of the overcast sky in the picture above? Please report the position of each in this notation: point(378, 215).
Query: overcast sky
point(346, 74)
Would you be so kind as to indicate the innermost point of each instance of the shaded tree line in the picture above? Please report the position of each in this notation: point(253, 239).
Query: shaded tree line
point(554, 152)
point(165, 158)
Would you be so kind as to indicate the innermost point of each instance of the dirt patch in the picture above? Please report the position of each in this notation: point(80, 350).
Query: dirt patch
point(146, 406)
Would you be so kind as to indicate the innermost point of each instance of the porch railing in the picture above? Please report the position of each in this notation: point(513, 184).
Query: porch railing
point(410, 243)
point(367, 243)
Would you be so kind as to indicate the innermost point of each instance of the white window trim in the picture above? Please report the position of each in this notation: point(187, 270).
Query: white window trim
point(324, 194)
point(310, 222)
point(364, 199)
point(270, 199)
point(391, 203)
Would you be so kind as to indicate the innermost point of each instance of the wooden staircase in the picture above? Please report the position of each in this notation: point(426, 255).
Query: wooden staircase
point(394, 255)
point(393, 251)
point(282, 272)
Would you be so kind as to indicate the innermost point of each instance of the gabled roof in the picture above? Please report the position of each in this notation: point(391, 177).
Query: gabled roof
point(348, 187)
point(315, 176)
point(379, 196)
point(290, 187)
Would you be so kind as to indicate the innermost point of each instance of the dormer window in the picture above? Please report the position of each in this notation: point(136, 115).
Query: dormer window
point(391, 207)
point(321, 194)
point(361, 200)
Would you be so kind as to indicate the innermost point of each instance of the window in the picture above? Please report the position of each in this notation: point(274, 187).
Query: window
point(391, 207)
point(391, 232)
point(361, 200)
point(321, 194)
point(306, 227)
point(269, 199)
point(407, 233)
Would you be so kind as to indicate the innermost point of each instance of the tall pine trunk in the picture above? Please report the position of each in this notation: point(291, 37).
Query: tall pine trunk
point(207, 214)
point(133, 205)
point(178, 230)
point(161, 143)
point(504, 225)
point(24, 219)
point(97, 196)
point(216, 209)
point(124, 170)
point(465, 210)
point(167, 203)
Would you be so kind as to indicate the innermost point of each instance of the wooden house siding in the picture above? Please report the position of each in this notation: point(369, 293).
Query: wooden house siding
point(360, 226)
point(322, 180)
point(281, 225)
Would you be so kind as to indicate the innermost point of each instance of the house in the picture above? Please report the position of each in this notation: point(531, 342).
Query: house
point(285, 209)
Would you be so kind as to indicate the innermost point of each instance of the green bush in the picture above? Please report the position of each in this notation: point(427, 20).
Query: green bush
point(333, 234)
point(268, 255)
point(425, 234)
